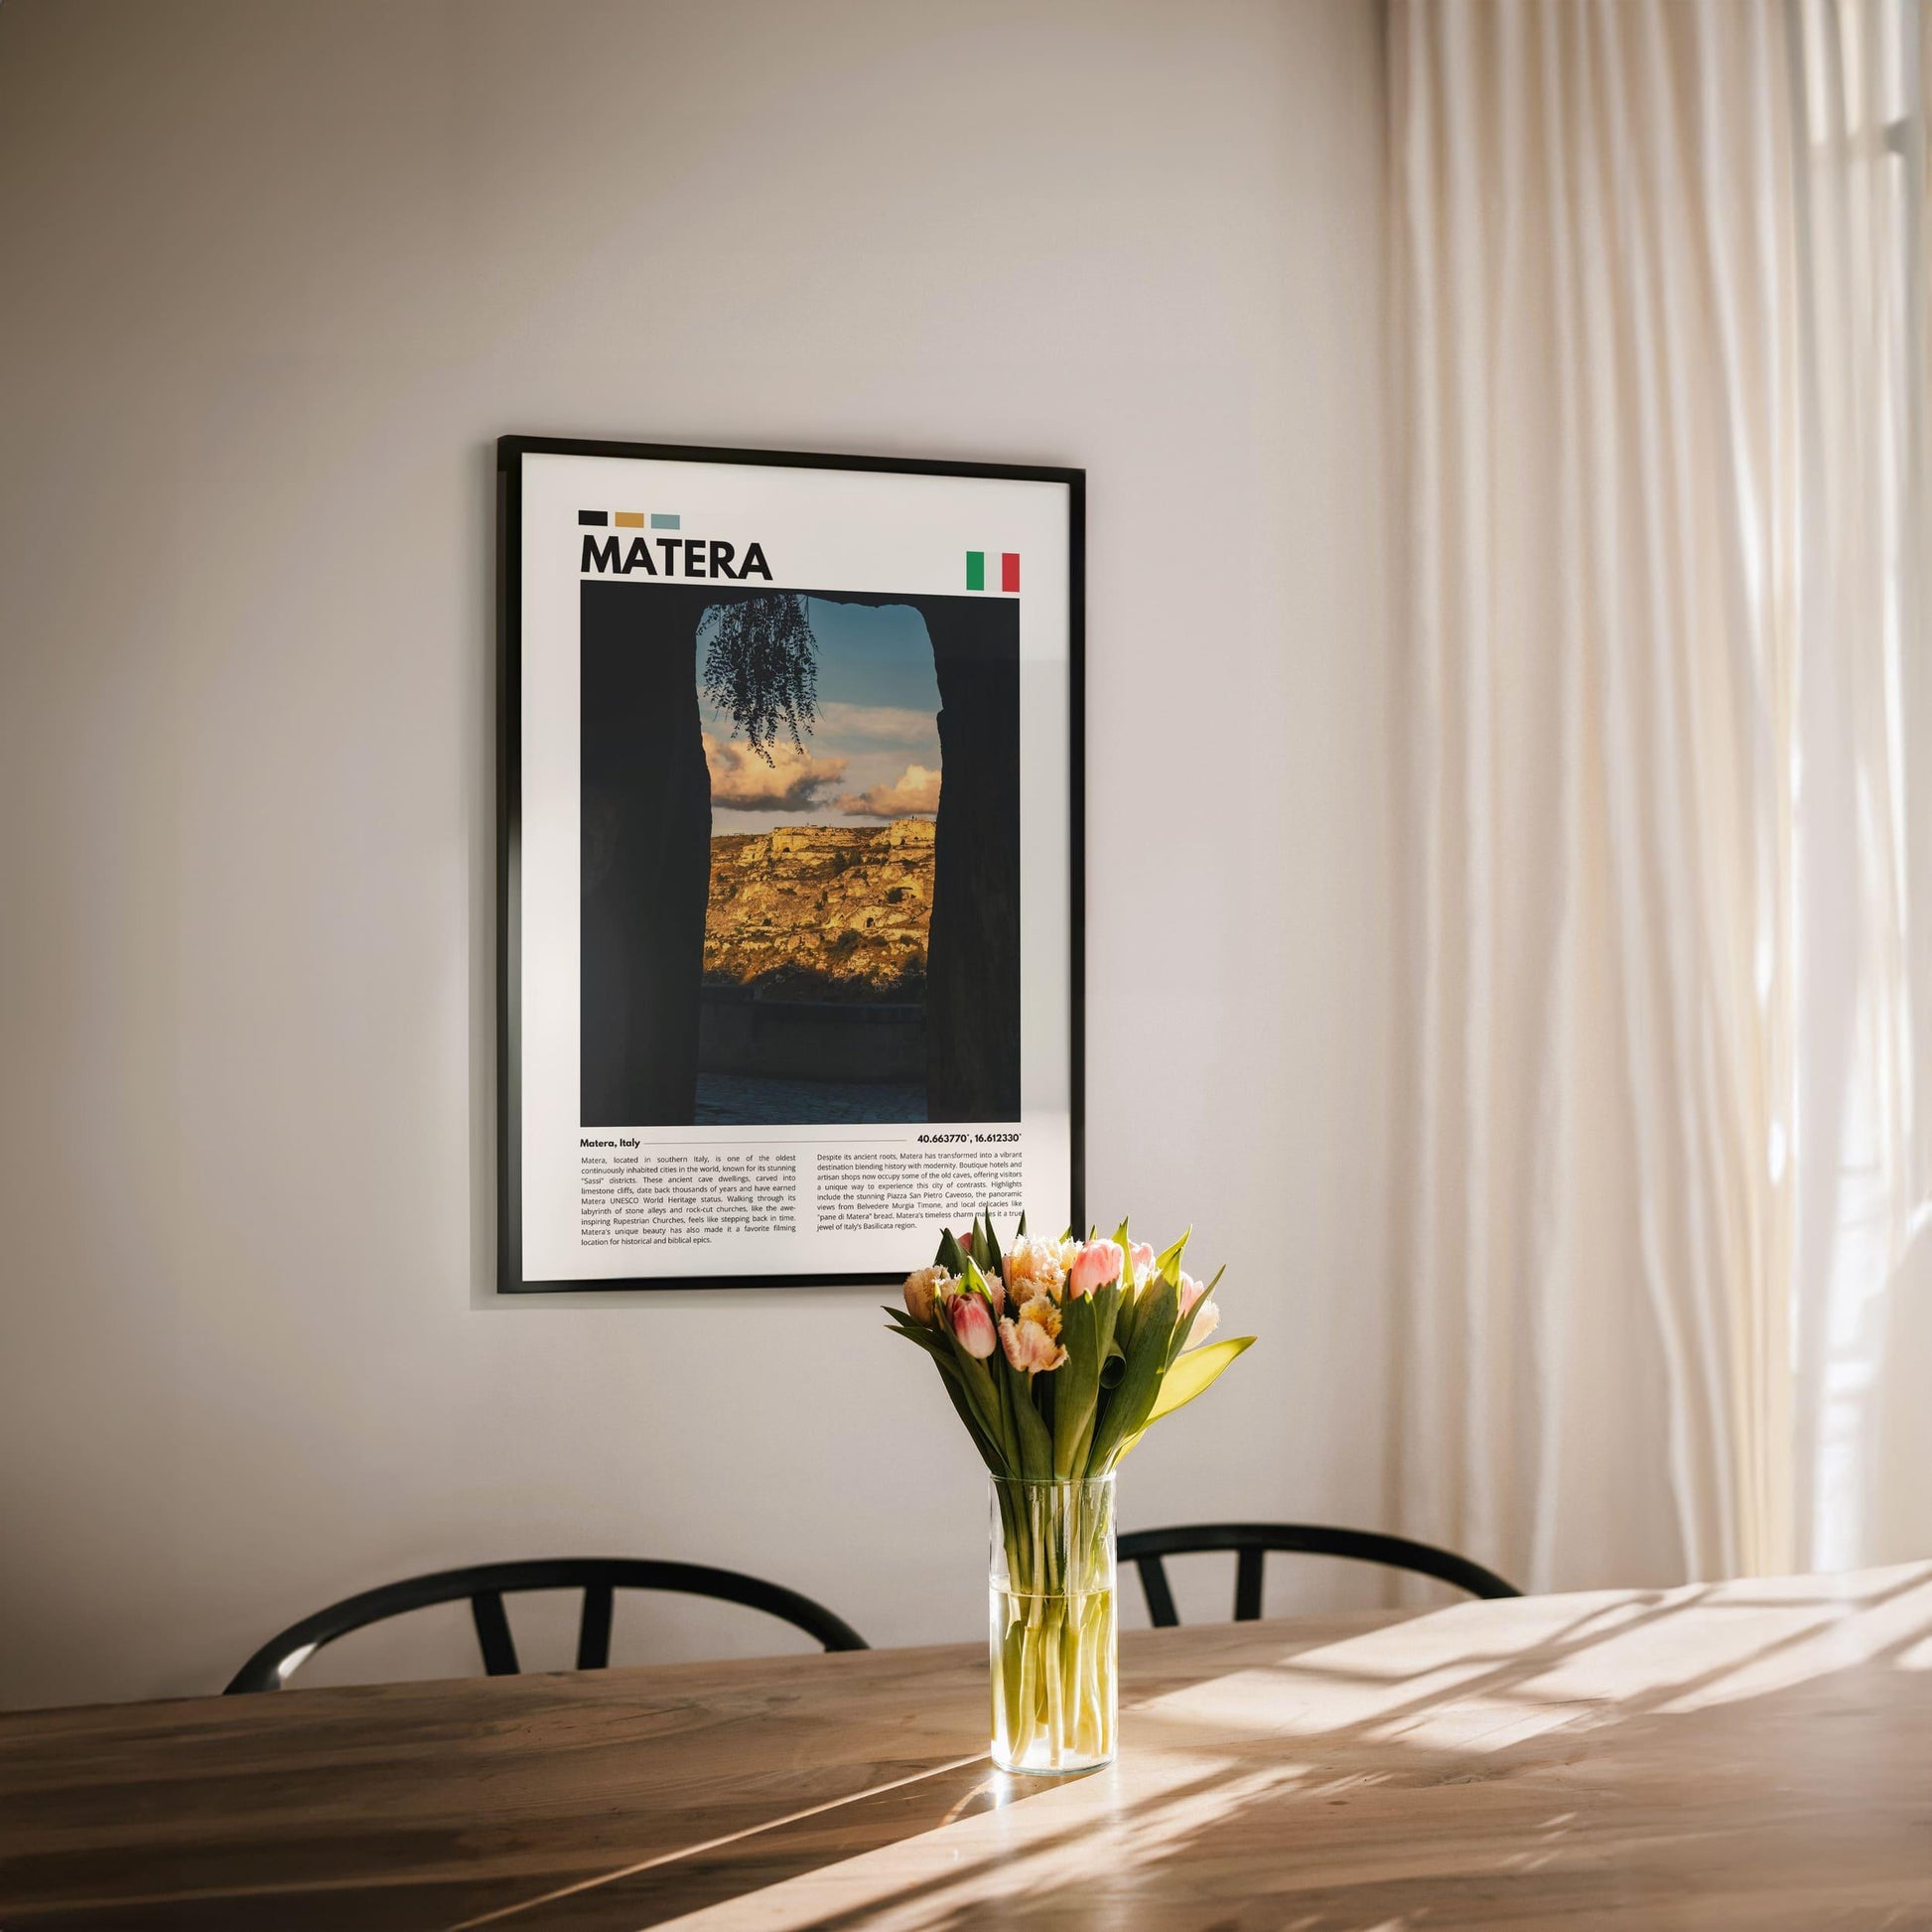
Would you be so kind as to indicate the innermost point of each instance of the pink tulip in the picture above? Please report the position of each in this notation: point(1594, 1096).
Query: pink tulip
point(1142, 1255)
point(990, 1286)
point(1196, 1323)
point(972, 1324)
point(1097, 1264)
point(1030, 1348)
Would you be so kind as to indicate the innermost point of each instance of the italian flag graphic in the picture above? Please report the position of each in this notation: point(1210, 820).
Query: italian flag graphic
point(1009, 571)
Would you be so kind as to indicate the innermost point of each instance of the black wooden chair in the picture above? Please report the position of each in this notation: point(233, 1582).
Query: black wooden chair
point(1146, 1549)
point(485, 1586)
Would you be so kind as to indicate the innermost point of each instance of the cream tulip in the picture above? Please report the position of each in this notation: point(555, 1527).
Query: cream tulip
point(1032, 1267)
point(925, 1289)
point(1028, 1347)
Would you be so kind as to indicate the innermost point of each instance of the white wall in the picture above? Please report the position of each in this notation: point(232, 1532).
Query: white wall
point(271, 281)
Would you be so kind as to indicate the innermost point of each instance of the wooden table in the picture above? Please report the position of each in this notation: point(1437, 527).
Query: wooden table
point(1748, 1755)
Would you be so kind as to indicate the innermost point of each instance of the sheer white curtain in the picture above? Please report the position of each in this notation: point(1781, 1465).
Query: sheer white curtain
point(1660, 313)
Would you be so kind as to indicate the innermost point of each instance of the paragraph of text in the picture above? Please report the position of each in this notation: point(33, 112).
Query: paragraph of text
point(648, 1200)
point(888, 1189)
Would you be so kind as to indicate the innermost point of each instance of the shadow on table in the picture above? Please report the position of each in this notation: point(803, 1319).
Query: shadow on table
point(771, 1854)
point(1786, 1781)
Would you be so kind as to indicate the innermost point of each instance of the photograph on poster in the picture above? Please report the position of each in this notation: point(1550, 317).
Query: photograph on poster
point(791, 888)
point(796, 907)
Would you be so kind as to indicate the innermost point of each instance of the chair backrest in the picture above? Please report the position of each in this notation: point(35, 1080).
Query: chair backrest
point(486, 1584)
point(1145, 1549)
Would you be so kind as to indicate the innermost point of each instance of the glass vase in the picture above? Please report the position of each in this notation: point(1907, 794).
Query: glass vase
point(1052, 1635)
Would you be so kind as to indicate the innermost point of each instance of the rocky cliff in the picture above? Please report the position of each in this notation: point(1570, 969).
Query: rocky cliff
point(821, 911)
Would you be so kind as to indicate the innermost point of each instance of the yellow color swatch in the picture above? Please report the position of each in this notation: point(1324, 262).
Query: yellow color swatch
point(629, 519)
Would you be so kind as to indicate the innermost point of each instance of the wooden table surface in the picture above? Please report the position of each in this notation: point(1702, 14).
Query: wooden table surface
point(1747, 1755)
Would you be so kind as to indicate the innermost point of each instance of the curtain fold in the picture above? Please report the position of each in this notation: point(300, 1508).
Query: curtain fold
point(1657, 347)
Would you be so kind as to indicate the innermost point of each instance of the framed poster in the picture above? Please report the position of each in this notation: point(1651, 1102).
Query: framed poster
point(790, 867)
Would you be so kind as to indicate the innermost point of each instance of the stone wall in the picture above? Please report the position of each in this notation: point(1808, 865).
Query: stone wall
point(821, 911)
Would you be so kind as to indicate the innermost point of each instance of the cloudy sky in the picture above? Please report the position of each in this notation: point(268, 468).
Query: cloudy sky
point(874, 754)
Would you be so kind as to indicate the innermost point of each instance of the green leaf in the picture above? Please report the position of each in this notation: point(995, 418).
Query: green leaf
point(1035, 1446)
point(904, 1324)
point(951, 1257)
point(1146, 1362)
point(1194, 1374)
point(1105, 1304)
point(951, 1360)
point(1106, 1317)
point(990, 1246)
point(1077, 1383)
point(1109, 1349)
point(1185, 1325)
point(990, 1451)
point(977, 1381)
point(948, 1362)
point(1168, 1261)
point(1011, 1390)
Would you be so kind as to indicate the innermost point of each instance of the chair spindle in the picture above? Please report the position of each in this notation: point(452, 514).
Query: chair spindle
point(594, 1632)
point(494, 1633)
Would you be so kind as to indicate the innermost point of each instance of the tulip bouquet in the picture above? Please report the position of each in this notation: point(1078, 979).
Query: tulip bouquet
point(1058, 1357)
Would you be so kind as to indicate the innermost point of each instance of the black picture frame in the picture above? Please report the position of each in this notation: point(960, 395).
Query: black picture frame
point(510, 452)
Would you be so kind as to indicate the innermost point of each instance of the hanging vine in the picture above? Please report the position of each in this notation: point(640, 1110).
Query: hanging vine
point(761, 665)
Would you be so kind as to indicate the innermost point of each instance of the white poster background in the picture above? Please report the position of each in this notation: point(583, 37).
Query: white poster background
point(823, 530)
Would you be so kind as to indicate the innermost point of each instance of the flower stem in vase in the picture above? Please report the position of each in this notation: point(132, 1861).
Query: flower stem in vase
point(1052, 1606)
